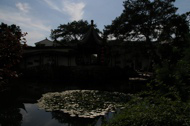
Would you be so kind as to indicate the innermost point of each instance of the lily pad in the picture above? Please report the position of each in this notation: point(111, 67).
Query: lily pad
point(83, 103)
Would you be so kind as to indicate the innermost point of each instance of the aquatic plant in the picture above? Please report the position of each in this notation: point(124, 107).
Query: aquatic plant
point(83, 103)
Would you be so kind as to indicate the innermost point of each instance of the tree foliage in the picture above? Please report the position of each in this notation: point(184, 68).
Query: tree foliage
point(72, 31)
point(174, 72)
point(150, 20)
point(152, 111)
point(10, 49)
point(166, 101)
point(146, 20)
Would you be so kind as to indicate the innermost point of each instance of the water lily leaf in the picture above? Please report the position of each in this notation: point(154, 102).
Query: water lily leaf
point(83, 103)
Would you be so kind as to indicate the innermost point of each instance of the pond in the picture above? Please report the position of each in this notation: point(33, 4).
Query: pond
point(32, 116)
point(67, 108)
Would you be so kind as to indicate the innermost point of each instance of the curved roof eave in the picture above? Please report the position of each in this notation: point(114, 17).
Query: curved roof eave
point(91, 34)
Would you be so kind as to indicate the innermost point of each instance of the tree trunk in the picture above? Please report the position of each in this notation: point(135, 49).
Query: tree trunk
point(153, 55)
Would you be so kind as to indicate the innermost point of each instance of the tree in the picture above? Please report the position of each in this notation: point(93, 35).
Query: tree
point(10, 50)
point(142, 19)
point(72, 31)
point(148, 21)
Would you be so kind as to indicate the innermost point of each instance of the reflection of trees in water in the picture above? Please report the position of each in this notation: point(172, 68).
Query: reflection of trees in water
point(10, 115)
point(72, 121)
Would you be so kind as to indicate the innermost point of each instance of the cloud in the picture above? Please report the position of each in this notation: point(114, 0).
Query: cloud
point(24, 7)
point(75, 10)
point(36, 28)
point(23, 20)
point(53, 5)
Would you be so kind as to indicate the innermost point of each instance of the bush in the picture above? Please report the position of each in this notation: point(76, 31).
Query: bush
point(152, 111)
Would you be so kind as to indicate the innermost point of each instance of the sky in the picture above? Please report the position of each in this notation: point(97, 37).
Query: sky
point(38, 17)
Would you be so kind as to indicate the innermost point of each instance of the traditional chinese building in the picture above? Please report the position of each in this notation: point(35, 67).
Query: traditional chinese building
point(92, 50)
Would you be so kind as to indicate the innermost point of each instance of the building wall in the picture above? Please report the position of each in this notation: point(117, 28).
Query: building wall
point(116, 56)
point(66, 61)
point(73, 61)
point(47, 60)
point(28, 62)
point(62, 61)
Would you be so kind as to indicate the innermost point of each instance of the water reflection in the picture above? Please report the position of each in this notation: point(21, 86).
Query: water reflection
point(72, 121)
point(35, 117)
point(22, 110)
point(29, 114)
point(10, 114)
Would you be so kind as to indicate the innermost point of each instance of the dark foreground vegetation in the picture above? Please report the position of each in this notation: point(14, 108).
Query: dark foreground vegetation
point(165, 100)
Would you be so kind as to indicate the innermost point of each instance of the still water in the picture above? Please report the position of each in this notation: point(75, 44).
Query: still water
point(33, 116)
point(18, 112)
point(29, 114)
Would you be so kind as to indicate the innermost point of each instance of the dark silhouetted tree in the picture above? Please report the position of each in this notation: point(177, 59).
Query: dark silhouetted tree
point(149, 21)
point(142, 19)
point(72, 31)
point(10, 50)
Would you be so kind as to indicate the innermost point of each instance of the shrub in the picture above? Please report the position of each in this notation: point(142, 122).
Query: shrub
point(152, 111)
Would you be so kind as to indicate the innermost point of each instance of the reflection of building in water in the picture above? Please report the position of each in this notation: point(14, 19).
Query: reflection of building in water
point(91, 50)
point(10, 114)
